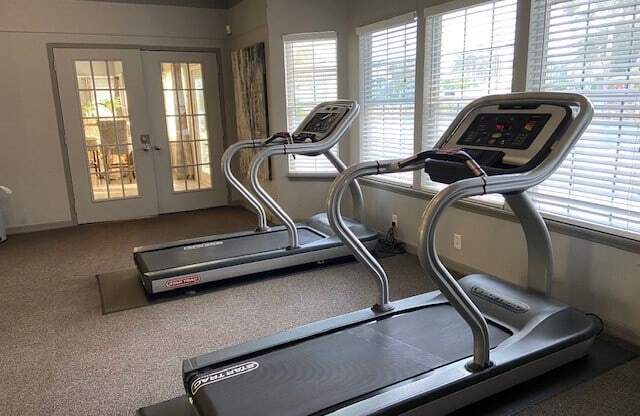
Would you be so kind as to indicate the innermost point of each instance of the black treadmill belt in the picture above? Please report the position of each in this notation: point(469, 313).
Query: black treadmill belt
point(186, 255)
point(314, 375)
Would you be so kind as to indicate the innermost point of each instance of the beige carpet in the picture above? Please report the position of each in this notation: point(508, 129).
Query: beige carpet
point(60, 356)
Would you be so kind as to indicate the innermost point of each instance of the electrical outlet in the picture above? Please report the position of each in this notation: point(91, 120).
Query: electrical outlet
point(394, 220)
point(457, 241)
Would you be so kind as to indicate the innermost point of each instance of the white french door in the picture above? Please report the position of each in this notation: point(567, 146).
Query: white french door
point(183, 90)
point(143, 131)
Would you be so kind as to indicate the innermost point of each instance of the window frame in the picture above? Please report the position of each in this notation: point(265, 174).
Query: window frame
point(304, 36)
point(557, 223)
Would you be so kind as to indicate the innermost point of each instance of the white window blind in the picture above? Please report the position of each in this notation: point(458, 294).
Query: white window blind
point(311, 74)
point(469, 54)
point(387, 91)
point(593, 47)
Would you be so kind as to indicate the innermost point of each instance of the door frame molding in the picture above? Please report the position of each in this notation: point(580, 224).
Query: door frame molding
point(58, 104)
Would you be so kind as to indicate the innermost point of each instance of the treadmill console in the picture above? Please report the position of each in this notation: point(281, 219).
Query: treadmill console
point(509, 131)
point(321, 122)
point(501, 139)
point(498, 136)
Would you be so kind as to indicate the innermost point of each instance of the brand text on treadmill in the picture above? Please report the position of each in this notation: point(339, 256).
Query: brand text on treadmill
point(203, 245)
point(183, 281)
point(221, 375)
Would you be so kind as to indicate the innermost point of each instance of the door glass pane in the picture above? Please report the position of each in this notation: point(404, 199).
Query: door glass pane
point(107, 129)
point(195, 74)
point(105, 103)
point(172, 129)
point(168, 82)
point(198, 101)
point(116, 75)
point(88, 104)
point(204, 174)
point(100, 76)
point(184, 104)
point(202, 151)
point(120, 107)
point(200, 126)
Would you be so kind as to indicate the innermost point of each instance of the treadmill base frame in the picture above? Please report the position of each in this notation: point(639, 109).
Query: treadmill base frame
point(191, 279)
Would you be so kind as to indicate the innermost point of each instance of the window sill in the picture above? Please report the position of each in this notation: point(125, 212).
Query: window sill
point(554, 225)
point(324, 177)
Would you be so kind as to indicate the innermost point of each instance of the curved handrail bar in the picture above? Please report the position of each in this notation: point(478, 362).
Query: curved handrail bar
point(227, 156)
point(449, 287)
point(356, 190)
point(264, 196)
point(336, 220)
point(307, 149)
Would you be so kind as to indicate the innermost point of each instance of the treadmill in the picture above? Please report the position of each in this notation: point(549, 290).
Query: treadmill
point(185, 263)
point(439, 351)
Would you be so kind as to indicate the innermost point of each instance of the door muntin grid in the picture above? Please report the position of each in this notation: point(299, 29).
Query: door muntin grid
point(185, 114)
point(106, 128)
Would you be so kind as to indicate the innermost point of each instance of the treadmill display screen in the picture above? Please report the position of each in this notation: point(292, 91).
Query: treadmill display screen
point(509, 131)
point(322, 122)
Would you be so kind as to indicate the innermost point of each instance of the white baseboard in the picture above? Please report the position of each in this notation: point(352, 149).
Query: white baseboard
point(22, 229)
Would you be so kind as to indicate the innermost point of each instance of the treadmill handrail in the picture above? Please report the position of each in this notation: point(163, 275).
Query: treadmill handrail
point(309, 149)
point(336, 220)
point(479, 185)
point(356, 190)
point(227, 157)
point(264, 196)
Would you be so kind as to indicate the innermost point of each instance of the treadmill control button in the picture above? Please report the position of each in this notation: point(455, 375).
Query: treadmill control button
point(499, 300)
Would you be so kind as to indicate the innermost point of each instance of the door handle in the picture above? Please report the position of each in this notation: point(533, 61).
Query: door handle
point(145, 139)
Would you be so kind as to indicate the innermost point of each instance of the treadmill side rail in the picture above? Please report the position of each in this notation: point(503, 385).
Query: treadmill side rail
point(187, 270)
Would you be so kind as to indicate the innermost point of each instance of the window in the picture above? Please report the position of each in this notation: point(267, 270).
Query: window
point(469, 54)
point(586, 46)
point(387, 91)
point(593, 47)
point(311, 76)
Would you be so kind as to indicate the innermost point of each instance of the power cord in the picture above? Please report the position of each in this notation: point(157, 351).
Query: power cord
point(389, 245)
